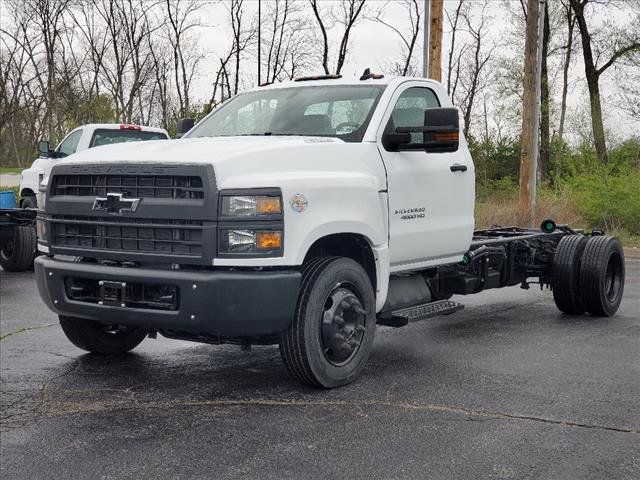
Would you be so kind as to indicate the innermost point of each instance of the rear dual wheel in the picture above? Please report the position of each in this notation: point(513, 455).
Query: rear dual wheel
point(588, 275)
point(17, 253)
point(329, 339)
point(602, 276)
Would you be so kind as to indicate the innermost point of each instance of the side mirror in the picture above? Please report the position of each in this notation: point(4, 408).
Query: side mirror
point(43, 149)
point(184, 125)
point(442, 129)
point(393, 140)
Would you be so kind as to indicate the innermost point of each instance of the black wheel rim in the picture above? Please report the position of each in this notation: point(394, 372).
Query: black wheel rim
point(343, 324)
point(613, 277)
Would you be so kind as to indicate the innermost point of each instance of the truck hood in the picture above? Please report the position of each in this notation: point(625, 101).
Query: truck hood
point(210, 150)
point(240, 161)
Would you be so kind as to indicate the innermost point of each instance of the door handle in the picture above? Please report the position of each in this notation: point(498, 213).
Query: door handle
point(456, 167)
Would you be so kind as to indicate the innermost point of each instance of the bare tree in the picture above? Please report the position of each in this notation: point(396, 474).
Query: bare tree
point(454, 59)
point(350, 13)
point(571, 20)
point(622, 45)
point(288, 43)
point(473, 79)
point(186, 54)
point(127, 61)
point(545, 102)
point(408, 34)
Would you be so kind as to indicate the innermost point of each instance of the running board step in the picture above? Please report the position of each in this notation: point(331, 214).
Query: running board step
point(402, 317)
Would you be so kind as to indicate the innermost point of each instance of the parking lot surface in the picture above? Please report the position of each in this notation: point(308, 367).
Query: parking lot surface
point(506, 388)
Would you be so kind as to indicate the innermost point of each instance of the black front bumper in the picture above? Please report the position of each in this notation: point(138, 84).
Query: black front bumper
point(223, 303)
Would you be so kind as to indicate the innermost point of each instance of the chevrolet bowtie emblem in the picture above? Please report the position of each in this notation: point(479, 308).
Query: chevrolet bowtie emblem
point(116, 204)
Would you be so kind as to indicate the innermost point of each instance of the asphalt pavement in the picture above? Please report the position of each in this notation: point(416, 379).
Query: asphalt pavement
point(506, 388)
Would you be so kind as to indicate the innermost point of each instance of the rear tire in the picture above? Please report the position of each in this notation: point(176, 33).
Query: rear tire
point(329, 339)
point(602, 276)
point(17, 254)
point(566, 274)
point(99, 338)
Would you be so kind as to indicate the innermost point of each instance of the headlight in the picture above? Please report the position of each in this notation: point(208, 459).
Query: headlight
point(246, 241)
point(250, 205)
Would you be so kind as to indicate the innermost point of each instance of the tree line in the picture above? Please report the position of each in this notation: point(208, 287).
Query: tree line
point(69, 62)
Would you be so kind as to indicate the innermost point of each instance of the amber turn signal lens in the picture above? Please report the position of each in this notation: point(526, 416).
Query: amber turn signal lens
point(446, 136)
point(268, 240)
point(268, 205)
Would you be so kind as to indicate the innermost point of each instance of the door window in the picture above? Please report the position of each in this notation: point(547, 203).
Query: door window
point(409, 110)
point(69, 144)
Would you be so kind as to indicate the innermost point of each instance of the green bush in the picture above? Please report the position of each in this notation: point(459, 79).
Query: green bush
point(608, 201)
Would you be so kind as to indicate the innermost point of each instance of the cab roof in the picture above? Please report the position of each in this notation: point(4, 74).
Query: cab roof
point(386, 80)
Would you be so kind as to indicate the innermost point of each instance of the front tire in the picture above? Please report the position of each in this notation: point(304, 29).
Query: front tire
point(28, 202)
point(602, 276)
point(99, 338)
point(330, 337)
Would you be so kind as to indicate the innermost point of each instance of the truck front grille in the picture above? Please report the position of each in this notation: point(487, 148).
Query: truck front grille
point(136, 235)
point(138, 186)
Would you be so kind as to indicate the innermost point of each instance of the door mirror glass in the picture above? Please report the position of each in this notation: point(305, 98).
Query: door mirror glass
point(184, 125)
point(43, 148)
point(441, 130)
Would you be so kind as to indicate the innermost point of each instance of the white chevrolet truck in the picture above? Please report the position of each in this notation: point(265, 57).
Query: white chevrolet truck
point(302, 214)
point(81, 138)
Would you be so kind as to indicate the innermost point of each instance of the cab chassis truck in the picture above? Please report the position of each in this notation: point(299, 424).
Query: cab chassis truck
point(302, 214)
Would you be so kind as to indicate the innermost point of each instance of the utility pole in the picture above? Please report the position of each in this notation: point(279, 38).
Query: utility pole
point(425, 39)
point(259, 39)
point(529, 148)
point(435, 39)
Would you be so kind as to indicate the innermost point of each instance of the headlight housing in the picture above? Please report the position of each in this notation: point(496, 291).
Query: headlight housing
point(243, 241)
point(251, 223)
point(251, 206)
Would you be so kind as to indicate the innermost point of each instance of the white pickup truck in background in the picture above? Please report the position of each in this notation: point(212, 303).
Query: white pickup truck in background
point(81, 138)
point(303, 214)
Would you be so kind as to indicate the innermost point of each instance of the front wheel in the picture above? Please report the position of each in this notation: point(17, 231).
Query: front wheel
point(29, 202)
point(101, 338)
point(329, 339)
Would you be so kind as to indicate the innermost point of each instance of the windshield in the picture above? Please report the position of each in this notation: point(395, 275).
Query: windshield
point(104, 136)
point(341, 111)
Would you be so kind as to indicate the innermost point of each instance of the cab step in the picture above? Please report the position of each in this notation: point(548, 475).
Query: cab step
point(402, 317)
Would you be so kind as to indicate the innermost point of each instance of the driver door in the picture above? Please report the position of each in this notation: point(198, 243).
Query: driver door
point(431, 206)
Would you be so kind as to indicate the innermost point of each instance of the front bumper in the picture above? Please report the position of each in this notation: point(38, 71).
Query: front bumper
point(223, 303)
